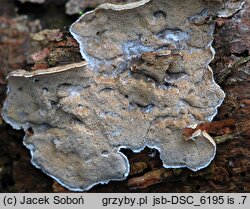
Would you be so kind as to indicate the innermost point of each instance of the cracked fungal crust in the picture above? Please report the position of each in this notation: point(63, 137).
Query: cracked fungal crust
point(147, 79)
point(76, 122)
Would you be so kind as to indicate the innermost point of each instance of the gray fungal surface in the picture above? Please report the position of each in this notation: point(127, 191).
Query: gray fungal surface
point(147, 77)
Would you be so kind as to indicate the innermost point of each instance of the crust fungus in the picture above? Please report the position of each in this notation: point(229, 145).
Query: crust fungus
point(147, 77)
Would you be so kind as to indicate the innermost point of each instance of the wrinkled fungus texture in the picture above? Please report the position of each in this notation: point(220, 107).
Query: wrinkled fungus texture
point(146, 79)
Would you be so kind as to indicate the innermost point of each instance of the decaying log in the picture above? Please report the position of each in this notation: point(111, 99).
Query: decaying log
point(229, 172)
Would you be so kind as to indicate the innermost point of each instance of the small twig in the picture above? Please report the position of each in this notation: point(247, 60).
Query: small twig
point(226, 137)
point(221, 77)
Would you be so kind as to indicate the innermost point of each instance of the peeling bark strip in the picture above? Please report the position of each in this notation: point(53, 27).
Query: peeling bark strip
point(146, 80)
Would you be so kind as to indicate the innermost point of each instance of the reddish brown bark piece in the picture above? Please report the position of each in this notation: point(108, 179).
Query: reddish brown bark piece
point(148, 179)
point(15, 43)
point(58, 49)
point(215, 128)
point(233, 36)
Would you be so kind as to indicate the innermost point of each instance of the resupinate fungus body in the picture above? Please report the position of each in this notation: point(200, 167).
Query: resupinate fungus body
point(146, 78)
